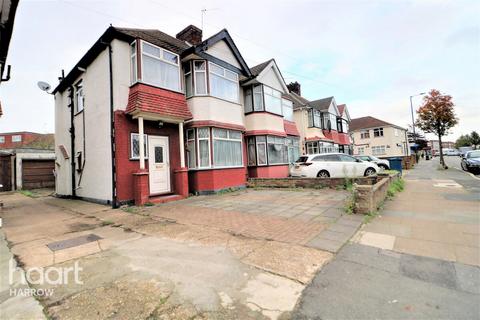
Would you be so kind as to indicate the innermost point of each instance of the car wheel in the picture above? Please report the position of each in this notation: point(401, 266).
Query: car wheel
point(323, 174)
point(383, 166)
point(369, 172)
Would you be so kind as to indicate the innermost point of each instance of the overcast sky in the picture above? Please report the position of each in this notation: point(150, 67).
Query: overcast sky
point(371, 55)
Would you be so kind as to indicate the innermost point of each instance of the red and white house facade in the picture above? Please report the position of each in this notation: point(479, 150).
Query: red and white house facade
point(144, 116)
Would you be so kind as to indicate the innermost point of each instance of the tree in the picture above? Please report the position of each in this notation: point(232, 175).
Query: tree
point(475, 139)
point(436, 115)
point(463, 141)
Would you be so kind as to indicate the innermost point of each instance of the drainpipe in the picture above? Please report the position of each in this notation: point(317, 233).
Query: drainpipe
point(112, 129)
point(72, 140)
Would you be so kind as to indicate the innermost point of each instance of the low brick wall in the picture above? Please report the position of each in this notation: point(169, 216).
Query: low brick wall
point(368, 198)
point(308, 183)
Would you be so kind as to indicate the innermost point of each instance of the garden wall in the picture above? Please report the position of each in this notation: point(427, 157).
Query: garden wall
point(309, 183)
point(368, 198)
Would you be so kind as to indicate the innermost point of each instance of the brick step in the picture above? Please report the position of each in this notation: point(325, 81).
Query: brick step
point(165, 198)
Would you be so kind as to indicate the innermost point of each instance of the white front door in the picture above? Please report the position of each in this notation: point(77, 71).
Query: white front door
point(158, 164)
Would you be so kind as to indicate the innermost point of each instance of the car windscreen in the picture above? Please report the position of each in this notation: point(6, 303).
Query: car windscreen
point(473, 154)
point(302, 159)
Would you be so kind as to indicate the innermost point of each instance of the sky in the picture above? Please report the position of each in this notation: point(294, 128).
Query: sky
point(370, 54)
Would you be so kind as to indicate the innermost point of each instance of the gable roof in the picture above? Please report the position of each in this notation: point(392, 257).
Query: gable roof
point(321, 104)
point(223, 35)
point(256, 70)
point(341, 108)
point(369, 122)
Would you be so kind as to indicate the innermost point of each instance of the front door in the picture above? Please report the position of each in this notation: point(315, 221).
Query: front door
point(158, 164)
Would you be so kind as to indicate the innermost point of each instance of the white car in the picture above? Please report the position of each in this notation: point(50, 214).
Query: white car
point(381, 163)
point(332, 165)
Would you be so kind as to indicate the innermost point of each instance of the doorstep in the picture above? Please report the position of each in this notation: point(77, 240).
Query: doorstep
point(165, 198)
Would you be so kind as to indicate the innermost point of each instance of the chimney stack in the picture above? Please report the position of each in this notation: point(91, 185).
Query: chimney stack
point(294, 87)
point(190, 34)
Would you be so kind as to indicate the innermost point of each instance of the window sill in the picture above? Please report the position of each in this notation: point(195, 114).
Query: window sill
point(215, 168)
point(268, 112)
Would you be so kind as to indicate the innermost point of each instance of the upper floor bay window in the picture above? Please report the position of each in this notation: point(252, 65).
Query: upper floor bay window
point(223, 83)
point(273, 100)
point(200, 77)
point(133, 62)
point(160, 67)
point(287, 107)
point(263, 98)
point(339, 125)
point(378, 132)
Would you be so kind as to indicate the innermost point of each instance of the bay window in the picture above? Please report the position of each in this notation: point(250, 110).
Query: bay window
point(287, 107)
point(252, 156)
point(261, 150)
point(257, 98)
point(226, 151)
point(293, 149)
point(188, 79)
point(160, 67)
point(248, 100)
point(270, 150)
point(314, 118)
point(223, 83)
point(276, 150)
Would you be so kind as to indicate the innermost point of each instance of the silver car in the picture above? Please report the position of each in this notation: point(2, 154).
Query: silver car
point(381, 163)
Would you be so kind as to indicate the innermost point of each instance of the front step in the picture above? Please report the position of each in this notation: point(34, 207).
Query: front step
point(166, 198)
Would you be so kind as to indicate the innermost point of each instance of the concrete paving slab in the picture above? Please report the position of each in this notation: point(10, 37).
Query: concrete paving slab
point(425, 248)
point(378, 240)
point(325, 244)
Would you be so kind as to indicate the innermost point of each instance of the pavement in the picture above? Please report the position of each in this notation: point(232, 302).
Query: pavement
point(418, 259)
point(243, 255)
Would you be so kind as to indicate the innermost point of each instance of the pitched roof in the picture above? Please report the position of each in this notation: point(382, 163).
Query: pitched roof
point(321, 104)
point(156, 37)
point(256, 70)
point(298, 101)
point(369, 122)
point(341, 108)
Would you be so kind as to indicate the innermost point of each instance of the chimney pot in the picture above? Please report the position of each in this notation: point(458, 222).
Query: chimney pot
point(190, 34)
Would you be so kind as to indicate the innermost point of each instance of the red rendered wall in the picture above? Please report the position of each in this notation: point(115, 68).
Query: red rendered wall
point(280, 171)
point(124, 125)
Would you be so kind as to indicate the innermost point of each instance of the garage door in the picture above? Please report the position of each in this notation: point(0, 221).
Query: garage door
point(38, 174)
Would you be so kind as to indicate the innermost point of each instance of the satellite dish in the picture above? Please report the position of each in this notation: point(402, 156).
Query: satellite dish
point(43, 86)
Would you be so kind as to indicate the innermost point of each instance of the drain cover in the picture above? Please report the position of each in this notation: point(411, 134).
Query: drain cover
point(73, 242)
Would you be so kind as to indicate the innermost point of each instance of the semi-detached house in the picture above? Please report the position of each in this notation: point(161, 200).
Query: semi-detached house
point(146, 116)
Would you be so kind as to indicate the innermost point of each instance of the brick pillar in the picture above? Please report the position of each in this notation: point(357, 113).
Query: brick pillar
point(181, 181)
point(141, 191)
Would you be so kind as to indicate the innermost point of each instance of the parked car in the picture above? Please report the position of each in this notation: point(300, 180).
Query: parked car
point(334, 165)
point(464, 150)
point(471, 161)
point(381, 163)
point(451, 152)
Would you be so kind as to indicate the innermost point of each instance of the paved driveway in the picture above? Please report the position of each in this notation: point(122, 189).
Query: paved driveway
point(240, 255)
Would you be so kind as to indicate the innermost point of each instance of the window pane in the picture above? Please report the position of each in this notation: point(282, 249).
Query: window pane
point(220, 133)
point(170, 57)
point(188, 85)
point(261, 139)
point(200, 82)
point(273, 101)
point(252, 159)
point(248, 100)
point(204, 152)
point(191, 154)
point(231, 75)
point(154, 51)
point(216, 69)
point(287, 109)
point(277, 150)
point(133, 70)
point(200, 65)
point(135, 146)
point(160, 73)
point(158, 154)
point(223, 88)
point(190, 134)
point(203, 132)
point(235, 134)
point(227, 153)
point(261, 153)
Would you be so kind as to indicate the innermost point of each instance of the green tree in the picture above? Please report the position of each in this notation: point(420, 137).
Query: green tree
point(436, 115)
point(475, 139)
point(463, 141)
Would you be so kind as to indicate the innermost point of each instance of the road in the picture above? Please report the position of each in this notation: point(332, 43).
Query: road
point(418, 259)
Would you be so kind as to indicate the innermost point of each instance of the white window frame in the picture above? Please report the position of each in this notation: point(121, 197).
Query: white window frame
point(365, 134)
point(79, 94)
point(228, 139)
point(17, 138)
point(163, 60)
point(145, 141)
point(262, 106)
point(195, 78)
point(191, 80)
point(2, 139)
point(224, 77)
point(134, 66)
point(194, 151)
point(312, 145)
point(199, 162)
point(266, 93)
point(379, 150)
point(287, 104)
point(264, 143)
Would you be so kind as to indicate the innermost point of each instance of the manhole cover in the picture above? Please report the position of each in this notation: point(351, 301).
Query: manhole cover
point(73, 242)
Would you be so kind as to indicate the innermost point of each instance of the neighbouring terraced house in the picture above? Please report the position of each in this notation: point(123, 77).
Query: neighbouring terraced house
point(323, 125)
point(144, 116)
